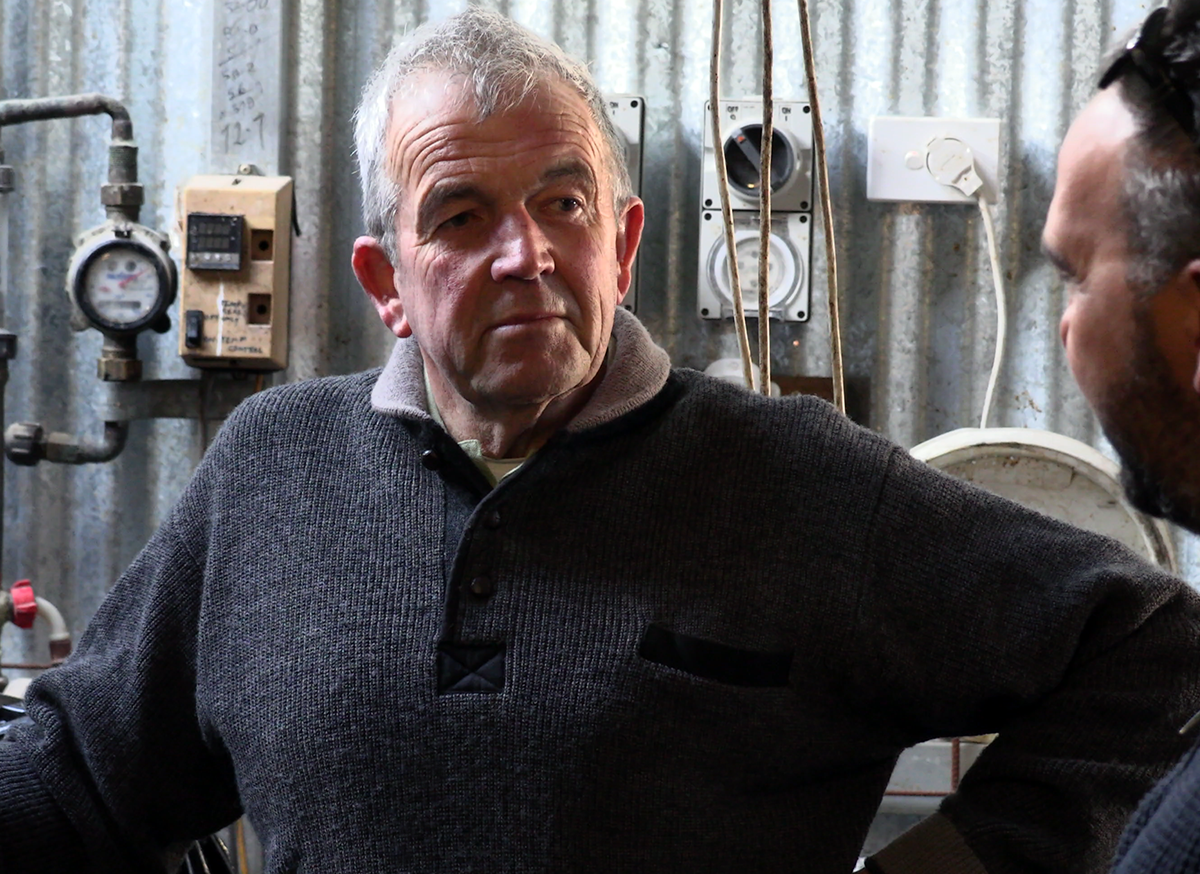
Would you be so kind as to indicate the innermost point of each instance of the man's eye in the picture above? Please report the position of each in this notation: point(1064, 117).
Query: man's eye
point(457, 221)
point(570, 204)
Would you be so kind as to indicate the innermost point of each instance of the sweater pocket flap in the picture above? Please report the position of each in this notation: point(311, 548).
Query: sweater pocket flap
point(715, 661)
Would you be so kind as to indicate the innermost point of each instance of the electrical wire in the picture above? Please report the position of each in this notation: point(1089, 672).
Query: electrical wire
point(714, 101)
point(835, 322)
point(1001, 309)
point(764, 194)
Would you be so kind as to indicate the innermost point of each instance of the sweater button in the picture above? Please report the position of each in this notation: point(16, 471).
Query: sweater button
point(431, 459)
point(492, 520)
point(482, 587)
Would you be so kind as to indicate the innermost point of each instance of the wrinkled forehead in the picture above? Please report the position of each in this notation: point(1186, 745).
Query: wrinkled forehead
point(449, 100)
point(424, 96)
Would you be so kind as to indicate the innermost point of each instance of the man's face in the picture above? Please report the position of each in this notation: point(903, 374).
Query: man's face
point(510, 261)
point(1134, 355)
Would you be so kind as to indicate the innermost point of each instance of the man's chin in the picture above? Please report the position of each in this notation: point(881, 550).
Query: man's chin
point(1151, 494)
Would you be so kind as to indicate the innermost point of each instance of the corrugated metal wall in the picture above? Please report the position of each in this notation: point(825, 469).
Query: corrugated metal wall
point(918, 304)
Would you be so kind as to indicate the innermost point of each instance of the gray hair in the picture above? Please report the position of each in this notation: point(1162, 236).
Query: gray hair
point(1161, 188)
point(1162, 203)
point(502, 64)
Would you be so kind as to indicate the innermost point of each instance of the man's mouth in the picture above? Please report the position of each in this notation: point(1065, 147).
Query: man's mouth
point(522, 319)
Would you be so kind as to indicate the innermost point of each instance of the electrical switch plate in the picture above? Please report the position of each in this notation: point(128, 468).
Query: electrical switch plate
point(791, 175)
point(896, 149)
point(628, 114)
point(793, 130)
point(791, 249)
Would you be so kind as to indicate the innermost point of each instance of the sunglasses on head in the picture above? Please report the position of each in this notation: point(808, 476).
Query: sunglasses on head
point(1143, 54)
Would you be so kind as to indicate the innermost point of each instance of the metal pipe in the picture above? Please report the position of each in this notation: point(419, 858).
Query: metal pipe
point(4, 205)
point(6, 186)
point(60, 637)
point(27, 443)
point(3, 390)
point(68, 449)
point(122, 196)
point(119, 359)
point(69, 106)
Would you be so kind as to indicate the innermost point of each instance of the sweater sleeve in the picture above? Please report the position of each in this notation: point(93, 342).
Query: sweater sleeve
point(118, 767)
point(977, 616)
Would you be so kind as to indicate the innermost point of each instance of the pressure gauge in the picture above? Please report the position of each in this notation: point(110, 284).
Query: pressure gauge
point(121, 279)
point(743, 158)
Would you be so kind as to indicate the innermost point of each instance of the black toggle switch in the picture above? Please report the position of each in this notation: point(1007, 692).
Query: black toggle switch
point(193, 329)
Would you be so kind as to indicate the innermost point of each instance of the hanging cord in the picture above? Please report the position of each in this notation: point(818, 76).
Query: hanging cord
point(1001, 309)
point(835, 322)
point(739, 311)
point(764, 193)
point(951, 162)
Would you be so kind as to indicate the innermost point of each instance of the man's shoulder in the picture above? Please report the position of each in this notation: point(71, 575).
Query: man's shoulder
point(307, 407)
point(314, 395)
point(725, 406)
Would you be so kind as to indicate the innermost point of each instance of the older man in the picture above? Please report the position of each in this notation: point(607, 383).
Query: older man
point(527, 599)
point(1124, 230)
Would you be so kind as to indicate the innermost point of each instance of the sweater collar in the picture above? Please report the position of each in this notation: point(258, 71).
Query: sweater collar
point(637, 370)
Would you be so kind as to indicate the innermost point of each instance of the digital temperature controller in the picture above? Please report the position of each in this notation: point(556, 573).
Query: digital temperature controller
point(214, 242)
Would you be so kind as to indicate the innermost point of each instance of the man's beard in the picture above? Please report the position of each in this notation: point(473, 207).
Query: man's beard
point(1154, 425)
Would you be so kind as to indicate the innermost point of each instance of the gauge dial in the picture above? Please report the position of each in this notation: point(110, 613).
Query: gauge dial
point(743, 157)
point(121, 284)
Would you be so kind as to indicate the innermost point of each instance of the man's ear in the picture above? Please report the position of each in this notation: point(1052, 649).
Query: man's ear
point(629, 237)
point(1191, 317)
point(378, 279)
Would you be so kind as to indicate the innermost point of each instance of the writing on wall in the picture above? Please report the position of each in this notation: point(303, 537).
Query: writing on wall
point(247, 84)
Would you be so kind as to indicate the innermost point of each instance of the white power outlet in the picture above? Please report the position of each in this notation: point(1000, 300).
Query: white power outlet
point(896, 157)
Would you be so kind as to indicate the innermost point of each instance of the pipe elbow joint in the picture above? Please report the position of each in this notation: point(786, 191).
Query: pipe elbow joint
point(27, 443)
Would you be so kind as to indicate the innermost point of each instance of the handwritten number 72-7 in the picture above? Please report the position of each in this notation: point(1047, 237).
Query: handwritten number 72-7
point(237, 134)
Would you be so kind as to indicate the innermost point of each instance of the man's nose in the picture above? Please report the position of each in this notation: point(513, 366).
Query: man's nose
point(523, 250)
point(1064, 326)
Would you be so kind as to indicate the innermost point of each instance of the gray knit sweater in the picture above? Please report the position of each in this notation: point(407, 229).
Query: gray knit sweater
point(691, 635)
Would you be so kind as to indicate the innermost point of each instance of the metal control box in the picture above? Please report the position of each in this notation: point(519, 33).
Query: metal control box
point(236, 231)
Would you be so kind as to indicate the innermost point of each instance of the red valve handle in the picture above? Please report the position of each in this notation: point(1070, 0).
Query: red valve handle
point(24, 604)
